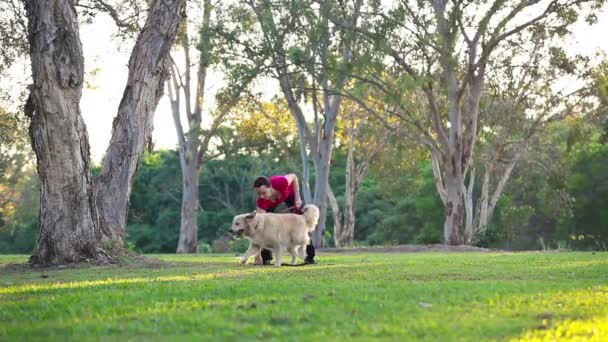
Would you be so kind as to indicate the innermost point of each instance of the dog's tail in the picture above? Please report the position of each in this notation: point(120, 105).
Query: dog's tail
point(311, 215)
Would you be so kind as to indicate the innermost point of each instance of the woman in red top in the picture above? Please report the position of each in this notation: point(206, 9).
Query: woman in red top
point(273, 191)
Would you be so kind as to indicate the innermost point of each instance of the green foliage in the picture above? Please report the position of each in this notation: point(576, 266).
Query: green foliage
point(240, 245)
point(510, 221)
point(225, 190)
point(155, 204)
point(13, 142)
point(19, 211)
point(588, 185)
point(400, 209)
point(375, 296)
point(204, 248)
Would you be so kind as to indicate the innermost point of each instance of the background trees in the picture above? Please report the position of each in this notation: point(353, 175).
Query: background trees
point(398, 115)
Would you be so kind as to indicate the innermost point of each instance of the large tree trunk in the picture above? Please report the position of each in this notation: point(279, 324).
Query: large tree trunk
point(59, 136)
point(132, 127)
point(76, 215)
point(454, 228)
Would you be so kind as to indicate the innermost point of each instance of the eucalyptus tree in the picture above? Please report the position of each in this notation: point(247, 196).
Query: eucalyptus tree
point(194, 139)
point(82, 217)
point(443, 51)
point(310, 58)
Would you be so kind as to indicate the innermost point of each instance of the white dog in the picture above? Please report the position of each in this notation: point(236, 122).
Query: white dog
point(276, 232)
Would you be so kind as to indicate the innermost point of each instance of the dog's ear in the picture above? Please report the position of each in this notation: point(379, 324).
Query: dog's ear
point(252, 215)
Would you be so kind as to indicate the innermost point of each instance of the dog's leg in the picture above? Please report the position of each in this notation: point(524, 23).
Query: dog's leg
point(258, 259)
point(252, 250)
point(292, 251)
point(301, 251)
point(277, 255)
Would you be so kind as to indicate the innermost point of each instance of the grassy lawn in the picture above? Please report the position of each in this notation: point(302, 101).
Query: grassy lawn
point(417, 296)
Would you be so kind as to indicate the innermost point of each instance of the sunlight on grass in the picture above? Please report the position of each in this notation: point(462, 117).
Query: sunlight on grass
point(569, 316)
point(243, 270)
point(365, 296)
point(592, 330)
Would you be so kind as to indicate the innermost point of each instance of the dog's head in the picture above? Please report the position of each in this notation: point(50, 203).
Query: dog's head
point(244, 224)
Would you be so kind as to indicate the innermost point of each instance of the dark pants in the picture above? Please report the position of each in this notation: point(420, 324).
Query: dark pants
point(310, 249)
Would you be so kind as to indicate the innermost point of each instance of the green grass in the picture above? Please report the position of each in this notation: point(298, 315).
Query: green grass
point(434, 297)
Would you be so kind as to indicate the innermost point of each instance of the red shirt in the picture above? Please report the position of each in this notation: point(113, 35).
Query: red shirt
point(280, 184)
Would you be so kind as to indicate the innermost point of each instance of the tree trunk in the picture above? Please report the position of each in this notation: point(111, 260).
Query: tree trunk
point(320, 200)
point(132, 127)
point(454, 229)
point(348, 231)
point(346, 239)
point(488, 205)
point(322, 172)
point(78, 215)
point(305, 184)
point(188, 240)
point(59, 136)
point(335, 209)
point(483, 201)
point(468, 205)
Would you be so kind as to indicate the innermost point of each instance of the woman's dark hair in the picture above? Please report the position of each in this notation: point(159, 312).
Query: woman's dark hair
point(258, 182)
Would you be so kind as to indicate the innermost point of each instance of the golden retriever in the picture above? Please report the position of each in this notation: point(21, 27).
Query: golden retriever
point(276, 232)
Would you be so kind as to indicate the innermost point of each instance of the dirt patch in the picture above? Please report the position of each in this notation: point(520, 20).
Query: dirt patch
point(408, 249)
point(123, 261)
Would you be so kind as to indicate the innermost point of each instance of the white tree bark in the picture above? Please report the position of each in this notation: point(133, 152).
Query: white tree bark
point(356, 170)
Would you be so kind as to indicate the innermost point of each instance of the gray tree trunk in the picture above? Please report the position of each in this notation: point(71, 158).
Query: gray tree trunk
point(350, 193)
point(188, 235)
point(454, 229)
point(193, 144)
point(59, 136)
point(322, 165)
point(132, 127)
point(345, 238)
point(77, 215)
point(335, 209)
